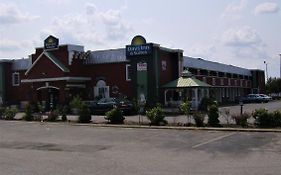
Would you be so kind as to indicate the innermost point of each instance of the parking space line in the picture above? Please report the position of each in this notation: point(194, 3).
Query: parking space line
point(213, 140)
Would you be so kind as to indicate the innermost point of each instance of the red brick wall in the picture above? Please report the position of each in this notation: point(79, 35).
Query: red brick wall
point(45, 68)
point(114, 74)
point(171, 72)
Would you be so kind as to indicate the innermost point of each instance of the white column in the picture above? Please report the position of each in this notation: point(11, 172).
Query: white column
point(165, 96)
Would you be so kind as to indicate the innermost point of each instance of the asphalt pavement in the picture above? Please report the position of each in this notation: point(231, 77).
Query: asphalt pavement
point(32, 148)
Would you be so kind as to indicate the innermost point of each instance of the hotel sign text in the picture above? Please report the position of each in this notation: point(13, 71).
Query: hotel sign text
point(134, 50)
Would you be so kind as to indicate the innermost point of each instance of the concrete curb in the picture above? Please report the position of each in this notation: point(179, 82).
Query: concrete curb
point(155, 127)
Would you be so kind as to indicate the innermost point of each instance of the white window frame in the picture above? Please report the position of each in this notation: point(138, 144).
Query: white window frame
point(14, 79)
point(127, 72)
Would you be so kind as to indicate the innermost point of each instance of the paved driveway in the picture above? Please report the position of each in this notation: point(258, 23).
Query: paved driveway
point(64, 149)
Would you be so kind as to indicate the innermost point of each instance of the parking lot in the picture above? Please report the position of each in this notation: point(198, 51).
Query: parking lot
point(62, 148)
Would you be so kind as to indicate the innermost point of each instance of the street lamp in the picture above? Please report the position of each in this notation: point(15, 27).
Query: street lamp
point(266, 70)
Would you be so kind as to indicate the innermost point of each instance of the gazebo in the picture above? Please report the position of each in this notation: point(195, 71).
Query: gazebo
point(186, 87)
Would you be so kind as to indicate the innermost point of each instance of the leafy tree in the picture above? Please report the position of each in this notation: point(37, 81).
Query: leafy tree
point(273, 85)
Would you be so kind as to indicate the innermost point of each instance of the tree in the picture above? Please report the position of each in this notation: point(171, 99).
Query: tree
point(273, 85)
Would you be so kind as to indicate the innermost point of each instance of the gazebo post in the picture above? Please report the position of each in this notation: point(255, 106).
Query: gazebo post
point(196, 97)
point(165, 96)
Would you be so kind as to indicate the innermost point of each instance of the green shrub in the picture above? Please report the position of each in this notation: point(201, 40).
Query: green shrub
point(206, 103)
point(115, 116)
point(241, 120)
point(213, 115)
point(2, 110)
point(199, 119)
point(277, 118)
point(185, 108)
point(156, 116)
point(63, 113)
point(28, 113)
point(10, 113)
point(265, 119)
point(76, 102)
point(84, 114)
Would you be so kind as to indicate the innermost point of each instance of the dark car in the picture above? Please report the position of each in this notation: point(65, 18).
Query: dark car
point(106, 104)
point(252, 98)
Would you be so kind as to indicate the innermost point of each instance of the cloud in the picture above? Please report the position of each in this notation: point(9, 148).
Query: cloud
point(93, 28)
point(10, 14)
point(202, 51)
point(9, 45)
point(267, 7)
point(116, 27)
point(244, 43)
point(232, 11)
point(242, 37)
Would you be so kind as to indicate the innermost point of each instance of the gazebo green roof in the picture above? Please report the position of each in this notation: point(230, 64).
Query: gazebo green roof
point(186, 82)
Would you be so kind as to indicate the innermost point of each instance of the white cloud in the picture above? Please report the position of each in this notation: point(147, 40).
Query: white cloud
point(91, 9)
point(94, 28)
point(10, 14)
point(245, 37)
point(244, 43)
point(206, 51)
point(267, 7)
point(9, 45)
point(232, 11)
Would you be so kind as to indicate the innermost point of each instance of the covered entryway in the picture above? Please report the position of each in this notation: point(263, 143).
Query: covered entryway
point(186, 88)
point(48, 97)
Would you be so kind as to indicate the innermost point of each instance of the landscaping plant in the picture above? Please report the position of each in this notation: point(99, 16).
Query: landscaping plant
point(115, 116)
point(84, 114)
point(266, 119)
point(9, 113)
point(28, 113)
point(241, 120)
point(199, 118)
point(185, 108)
point(213, 114)
point(156, 116)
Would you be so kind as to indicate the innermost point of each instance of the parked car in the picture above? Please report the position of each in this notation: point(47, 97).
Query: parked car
point(265, 98)
point(106, 104)
point(252, 98)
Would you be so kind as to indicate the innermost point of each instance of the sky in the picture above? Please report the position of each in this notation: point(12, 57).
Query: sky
point(243, 33)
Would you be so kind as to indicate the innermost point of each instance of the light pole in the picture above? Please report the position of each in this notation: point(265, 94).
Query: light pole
point(266, 70)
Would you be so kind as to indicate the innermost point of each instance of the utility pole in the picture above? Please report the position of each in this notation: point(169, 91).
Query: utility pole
point(266, 70)
point(280, 65)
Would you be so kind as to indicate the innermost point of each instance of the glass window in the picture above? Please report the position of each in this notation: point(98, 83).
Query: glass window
point(16, 79)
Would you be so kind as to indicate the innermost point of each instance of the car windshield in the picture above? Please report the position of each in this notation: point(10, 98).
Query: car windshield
point(106, 100)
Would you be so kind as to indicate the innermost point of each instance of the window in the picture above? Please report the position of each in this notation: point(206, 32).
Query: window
point(128, 72)
point(214, 81)
point(16, 79)
point(205, 79)
point(222, 81)
point(101, 90)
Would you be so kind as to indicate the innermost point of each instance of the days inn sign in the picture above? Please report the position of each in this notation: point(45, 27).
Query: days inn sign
point(133, 50)
point(51, 43)
point(138, 47)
